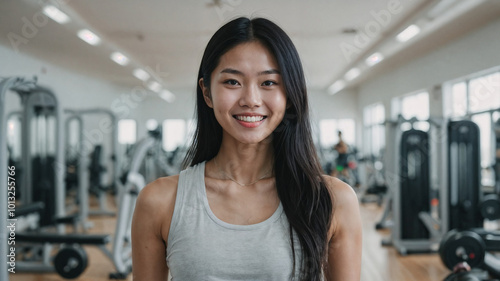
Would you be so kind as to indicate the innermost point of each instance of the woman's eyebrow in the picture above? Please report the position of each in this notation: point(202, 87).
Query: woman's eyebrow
point(237, 72)
point(232, 71)
point(270, 71)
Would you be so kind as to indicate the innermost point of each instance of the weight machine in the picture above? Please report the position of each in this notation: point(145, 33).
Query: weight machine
point(86, 179)
point(412, 173)
point(36, 247)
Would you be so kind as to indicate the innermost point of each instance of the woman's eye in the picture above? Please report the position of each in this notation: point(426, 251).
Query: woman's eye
point(269, 83)
point(231, 82)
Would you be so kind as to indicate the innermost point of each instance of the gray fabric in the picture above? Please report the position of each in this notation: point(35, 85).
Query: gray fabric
point(202, 247)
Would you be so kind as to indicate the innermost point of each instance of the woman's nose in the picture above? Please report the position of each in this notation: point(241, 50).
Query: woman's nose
point(251, 96)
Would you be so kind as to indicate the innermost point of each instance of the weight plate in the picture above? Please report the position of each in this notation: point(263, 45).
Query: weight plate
point(490, 207)
point(464, 246)
point(70, 262)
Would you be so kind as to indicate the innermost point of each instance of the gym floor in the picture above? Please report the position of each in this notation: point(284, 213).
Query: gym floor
point(379, 263)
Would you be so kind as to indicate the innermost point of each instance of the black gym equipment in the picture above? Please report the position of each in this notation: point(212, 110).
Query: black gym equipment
point(472, 275)
point(412, 169)
point(464, 175)
point(415, 183)
point(490, 207)
point(472, 246)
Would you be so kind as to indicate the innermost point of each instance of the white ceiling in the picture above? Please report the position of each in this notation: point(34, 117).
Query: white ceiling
point(168, 37)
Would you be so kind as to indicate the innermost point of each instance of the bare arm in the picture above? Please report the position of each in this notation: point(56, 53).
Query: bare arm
point(345, 244)
point(150, 226)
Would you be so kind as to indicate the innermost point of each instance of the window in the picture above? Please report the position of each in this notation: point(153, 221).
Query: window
point(459, 99)
point(414, 106)
point(174, 134)
point(374, 129)
point(484, 93)
point(329, 128)
point(127, 131)
point(484, 123)
point(479, 98)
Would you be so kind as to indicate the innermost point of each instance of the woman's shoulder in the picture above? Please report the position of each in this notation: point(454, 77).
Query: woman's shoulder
point(158, 195)
point(341, 192)
point(345, 204)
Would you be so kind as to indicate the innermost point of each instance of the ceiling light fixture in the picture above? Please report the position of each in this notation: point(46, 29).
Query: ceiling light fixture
point(374, 59)
point(89, 37)
point(119, 58)
point(336, 87)
point(353, 73)
point(141, 74)
point(55, 14)
point(409, 32)
point(154, 86)
point(167, 96)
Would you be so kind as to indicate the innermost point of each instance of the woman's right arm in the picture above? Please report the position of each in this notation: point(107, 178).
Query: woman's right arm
point(150, 226)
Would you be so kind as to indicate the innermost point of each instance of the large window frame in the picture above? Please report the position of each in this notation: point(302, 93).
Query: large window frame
point(374, 129)
point(477, 97)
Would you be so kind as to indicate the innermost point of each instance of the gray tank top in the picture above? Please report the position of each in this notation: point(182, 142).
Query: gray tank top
point(203, 247)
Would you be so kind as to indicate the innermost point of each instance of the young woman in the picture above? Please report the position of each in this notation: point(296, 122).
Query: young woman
point(254, 203)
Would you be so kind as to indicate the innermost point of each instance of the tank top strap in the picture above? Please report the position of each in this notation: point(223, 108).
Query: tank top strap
point(189, 195)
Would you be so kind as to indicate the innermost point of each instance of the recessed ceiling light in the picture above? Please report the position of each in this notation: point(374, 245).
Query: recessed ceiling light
point(141, 74)
point(409, 32)
point(336, 87)
point(55, 14)
point(374, 59)
point(167, 95)
point(89, 37)
point(119, 58)
point(353, 73)
point(154, 86)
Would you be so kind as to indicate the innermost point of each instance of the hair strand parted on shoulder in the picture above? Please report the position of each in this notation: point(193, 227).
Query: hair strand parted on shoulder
point(304, 196)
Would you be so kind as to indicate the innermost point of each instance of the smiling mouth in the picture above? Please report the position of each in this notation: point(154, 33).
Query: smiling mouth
point(249, 119)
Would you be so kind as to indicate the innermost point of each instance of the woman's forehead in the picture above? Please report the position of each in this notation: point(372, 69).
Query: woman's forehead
point(250, 56)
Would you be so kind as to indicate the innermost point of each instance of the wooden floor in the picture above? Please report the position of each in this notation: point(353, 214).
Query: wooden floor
point(379, 263)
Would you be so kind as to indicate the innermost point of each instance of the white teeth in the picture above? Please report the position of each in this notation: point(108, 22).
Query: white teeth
point(250, 119)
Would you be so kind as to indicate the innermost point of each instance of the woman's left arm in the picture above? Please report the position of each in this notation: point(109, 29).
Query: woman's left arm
point(345, 235)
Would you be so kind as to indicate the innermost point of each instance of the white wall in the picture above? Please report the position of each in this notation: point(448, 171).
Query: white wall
point(474, 52)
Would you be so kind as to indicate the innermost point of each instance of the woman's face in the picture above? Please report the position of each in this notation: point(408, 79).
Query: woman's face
point(247, 93)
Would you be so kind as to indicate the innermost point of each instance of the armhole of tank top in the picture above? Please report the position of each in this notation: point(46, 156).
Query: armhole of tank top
point(179, 198)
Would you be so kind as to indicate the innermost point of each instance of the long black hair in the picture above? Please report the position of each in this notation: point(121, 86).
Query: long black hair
point(303, 194)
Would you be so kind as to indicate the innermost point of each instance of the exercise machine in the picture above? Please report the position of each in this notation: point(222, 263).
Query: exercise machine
point(133, 184)
point(412, 173)
point(89, 173)
point(7, 85)
point(465, 192)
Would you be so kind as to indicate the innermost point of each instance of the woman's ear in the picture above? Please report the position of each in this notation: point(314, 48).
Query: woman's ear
point(206, 93)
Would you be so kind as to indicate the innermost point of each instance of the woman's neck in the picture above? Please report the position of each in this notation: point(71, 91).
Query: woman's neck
point(245, 163)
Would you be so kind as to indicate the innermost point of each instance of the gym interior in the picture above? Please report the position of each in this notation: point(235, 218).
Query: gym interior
point(97, 99)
